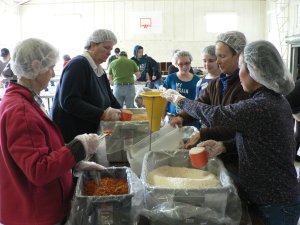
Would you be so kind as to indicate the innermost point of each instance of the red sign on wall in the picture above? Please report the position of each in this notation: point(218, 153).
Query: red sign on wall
point(145, 22)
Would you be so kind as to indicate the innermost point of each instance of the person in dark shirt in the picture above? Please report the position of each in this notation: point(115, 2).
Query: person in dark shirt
point(294, 100)
point(83, 97)
point(114, 57)
point(154, 73)
point(264, 134)
point(7, 73)
point(141, 61)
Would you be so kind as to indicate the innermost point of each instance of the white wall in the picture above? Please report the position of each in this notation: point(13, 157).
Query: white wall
point(294, 17)
point(67, 23)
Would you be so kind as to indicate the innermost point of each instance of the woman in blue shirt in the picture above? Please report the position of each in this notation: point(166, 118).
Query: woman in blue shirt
point(182, 81)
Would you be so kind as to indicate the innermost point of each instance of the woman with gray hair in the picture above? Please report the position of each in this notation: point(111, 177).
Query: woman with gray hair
point(172, 68)
point(264, 134)
point(224, 90)
point(83, 97)
point(35, 164)
point(183, 81)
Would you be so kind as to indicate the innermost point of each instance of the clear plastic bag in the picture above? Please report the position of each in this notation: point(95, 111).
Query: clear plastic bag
point(212, 206)
point(166, 138)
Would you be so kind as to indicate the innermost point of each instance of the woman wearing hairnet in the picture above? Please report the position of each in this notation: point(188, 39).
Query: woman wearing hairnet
point(83, 96)
point(35, 164)
point(224, 90)
point(264, 134)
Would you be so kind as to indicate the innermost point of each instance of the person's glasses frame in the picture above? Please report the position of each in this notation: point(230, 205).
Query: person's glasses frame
point(184, 64)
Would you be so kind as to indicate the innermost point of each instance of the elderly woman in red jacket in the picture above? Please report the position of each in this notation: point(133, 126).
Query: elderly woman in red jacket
point(35, 164)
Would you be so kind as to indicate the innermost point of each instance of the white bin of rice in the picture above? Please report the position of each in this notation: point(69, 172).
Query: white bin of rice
point(184, 193)
point(181, 177)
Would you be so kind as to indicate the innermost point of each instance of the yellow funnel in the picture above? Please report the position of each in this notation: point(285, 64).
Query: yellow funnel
point(155, 107)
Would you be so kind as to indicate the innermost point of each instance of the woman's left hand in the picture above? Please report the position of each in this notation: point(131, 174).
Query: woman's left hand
point(213, 148)
point(172, 96)
point(193, 141)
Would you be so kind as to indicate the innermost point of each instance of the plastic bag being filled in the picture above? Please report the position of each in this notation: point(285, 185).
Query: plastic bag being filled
point(166, 138)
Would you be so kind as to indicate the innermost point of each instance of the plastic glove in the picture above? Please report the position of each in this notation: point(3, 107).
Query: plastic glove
point(86, 165)
point(90, 142)
point(146, 89)
point(213, 148)
point(193, 141)
point(172, 96)
point(176, 121)
point(161, 88)
point(111, 114)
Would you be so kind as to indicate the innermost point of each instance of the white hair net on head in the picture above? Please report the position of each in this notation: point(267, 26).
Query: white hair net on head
point(99, 36)
point(234, 39)
point(32, 57)
point(266, 67)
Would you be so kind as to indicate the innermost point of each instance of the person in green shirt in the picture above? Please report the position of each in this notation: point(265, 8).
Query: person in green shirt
point(121, 73)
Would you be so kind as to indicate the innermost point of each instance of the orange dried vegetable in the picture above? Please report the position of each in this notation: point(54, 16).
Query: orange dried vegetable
point(107, 186)
point(107, 132)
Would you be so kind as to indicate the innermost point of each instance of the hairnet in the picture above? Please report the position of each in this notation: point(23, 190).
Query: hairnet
point(266, 67)
point(234, 39)
point(210, 50)
point(181, 54)
point(99, 36)
point(32, 57)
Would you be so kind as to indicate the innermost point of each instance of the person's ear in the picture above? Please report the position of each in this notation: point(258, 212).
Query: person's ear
point(36, 65)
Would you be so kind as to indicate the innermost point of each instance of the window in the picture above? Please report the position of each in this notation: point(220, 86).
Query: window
point(221, 22)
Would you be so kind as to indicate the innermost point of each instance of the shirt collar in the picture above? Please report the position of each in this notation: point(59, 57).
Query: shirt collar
point(37, 98)
point(97, 68)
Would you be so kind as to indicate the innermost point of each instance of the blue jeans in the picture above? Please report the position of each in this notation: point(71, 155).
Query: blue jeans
point(155, 84)
point(125, 94)
point(283, 214)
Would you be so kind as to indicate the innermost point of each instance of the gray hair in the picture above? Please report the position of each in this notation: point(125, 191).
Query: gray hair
point(32, 57)
point(266, 67)
point(181, 54)
point(210, 50)
point(99, 36)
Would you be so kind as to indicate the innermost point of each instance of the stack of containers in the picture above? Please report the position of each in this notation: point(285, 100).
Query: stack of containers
point(122, 135)
point(209, 206)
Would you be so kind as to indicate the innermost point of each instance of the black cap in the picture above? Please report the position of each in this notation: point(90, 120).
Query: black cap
point(117, 50)
point(4, 52)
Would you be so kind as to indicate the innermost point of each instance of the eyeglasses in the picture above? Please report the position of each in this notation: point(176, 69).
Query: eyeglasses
point(184, 64)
